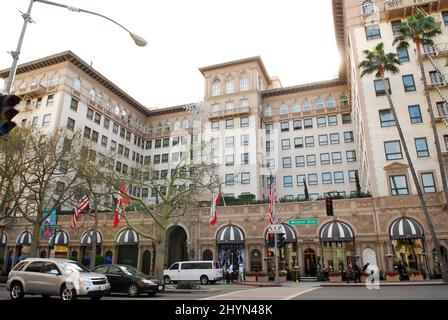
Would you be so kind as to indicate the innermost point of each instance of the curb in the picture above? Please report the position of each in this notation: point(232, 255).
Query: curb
point(382, 283)
point(257, 285)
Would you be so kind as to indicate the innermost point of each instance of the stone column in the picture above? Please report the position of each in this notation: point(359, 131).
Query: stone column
point(5, 260)
point(115, 253)
point(300, 261)
point(139, 257)
point(429, 256)
point(380, 257)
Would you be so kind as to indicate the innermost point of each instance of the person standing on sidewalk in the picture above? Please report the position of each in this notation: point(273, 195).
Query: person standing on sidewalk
point(357, 271)
point(230, 273)
point(350, 272)
point(241, 272)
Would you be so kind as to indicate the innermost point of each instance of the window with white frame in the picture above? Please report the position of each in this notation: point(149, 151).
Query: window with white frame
point(286, 162)
point(216, 87)
point(230, 85)
point(300, 161)
point(285, 144)
point(244, 82)
point(321, 122)
point(284, 109)
point(287, 181)
point(46, 120)
point(326, 178)
point(338, 176)
point(300, 178)
point(312, 179)
point(323, 139)
point(336, 157)
point(230, 142)
point(319, 103)
point(245, 177)
point(393, 150)
point(311, 160)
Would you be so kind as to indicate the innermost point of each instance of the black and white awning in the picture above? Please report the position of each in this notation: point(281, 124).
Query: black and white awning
point(405, 228)
point(290, 233)
point(25, 239)
point(87, 238)
point(230, 235)
point(127, 237)
point(59, 239)
point(3, 239)
point(336, 231)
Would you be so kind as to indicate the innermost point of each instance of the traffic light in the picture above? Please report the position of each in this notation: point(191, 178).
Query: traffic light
point(280, 239)
point(271, 240)
point(329, 205)
point(7, 112)
point(270, 253)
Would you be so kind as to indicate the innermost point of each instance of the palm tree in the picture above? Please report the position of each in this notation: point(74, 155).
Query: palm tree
point(421, 29)
point(378, 62)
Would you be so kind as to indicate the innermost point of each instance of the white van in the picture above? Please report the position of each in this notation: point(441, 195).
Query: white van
point(204, 271)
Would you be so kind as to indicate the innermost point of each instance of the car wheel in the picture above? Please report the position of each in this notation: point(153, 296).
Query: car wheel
point(133, 290)
point(67, 294)
point(16, 292)
point(204, 280)
point(167, 280)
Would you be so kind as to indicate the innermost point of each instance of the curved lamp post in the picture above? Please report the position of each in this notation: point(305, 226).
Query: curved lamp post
point(139, 41)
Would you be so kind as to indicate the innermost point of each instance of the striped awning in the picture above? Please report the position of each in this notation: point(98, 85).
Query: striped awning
point(290, 234)
point(230, 235)
point(59, 239)
point(336, 231)
point(127, 237)
point(405, 228)
point(25, 239)
point(3, 239)
point(87, 238)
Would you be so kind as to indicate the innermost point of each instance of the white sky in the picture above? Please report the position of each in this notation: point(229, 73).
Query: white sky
point(294, 38)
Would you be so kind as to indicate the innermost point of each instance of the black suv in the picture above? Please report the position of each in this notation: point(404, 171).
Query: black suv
point(127, 279)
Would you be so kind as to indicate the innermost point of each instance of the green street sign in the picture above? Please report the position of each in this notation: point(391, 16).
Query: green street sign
point(299, 222)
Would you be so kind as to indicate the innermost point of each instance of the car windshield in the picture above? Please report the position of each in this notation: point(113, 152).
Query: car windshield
point(74, 267)
point(131, 271)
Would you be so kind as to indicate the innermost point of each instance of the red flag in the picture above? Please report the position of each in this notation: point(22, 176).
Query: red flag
point(117, 212)
point(213, 212)
point(82, 204)
point(119, 201)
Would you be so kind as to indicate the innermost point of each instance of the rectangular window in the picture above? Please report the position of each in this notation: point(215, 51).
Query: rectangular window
point(50, 100)
point(128, 135)
point(106, 123)
point(230, 160)
point(286, 162)
point(87, 132)
point(122, 132)
point(300, 179)
point(298, 142)
point(415, 114)
point(332, 120)
point(326, 178)
point(442, 108)
point(349, 137)
point(230, 142)
point(157, 159)
point(445, 17)
point(336, 157)
point(403, 54)
point(269, 146)
point(126, 152)
point(230, 179)
point(408, 83)
point(215, 125)
point(321, 122)
point(352, 175)
point(113, 145)
point(287, 181)
point(148, 144)
point(89, 114)
point(268, 128)
point(386, 118)
point(396, 27)
point(165, 158)
point(393, 150)
point(300, 161)
point(422, 147)
point(245, 177)
point(148, 159)
point(308, 123)
point(285, 144)
point(323, 140)
point(436, 78)
point(229, 124)
point(158, 143)
point(104, 141)
point(115, 128)
point(338, 177)
point(297, 124)
point(324, 158)
point(94, 136)
point(312, 179)
point(120, 149)
point(244, 122)
point(97, 118)
point(166, 142)
point(284, 126)
point(38, 103)
point(334, 138)
point(373, 32)
point(398, 185)
point(70, 124)
point(245, 140)
point(311, 160)
point(351, 155)
point(346, 118)
point(46, 120)
point(428, 182)
point(379, 88)
point(309, 141)
point(74, 104)
point(245, 158)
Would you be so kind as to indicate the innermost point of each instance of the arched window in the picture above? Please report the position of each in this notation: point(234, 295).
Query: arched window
point(216, 87)
point(268, 112)
point(329, 102)
point(306, 106)
point(77, 84)
point(284, 108)
point(99, 98)
point(54, 79)
point(92, 94)
point(230, 85)
point(319, 103)
point(33, 82)
point(149, 129)
point(44, 81)
point(368, 7)
point(296, 107)
point(207, 255)
point(244, 82)
point(168, 126)
point(344, 100)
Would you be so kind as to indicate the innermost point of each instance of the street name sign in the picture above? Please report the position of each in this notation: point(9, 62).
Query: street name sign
point(275, 228)
point(299, 222)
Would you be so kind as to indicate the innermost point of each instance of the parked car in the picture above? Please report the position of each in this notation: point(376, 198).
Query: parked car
point(203, 271)
point(127, 279)
point(55, 277)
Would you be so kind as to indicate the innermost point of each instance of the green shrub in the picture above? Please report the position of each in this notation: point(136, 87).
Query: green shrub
point(321, 277)
point(246, 198)
point(186, 285)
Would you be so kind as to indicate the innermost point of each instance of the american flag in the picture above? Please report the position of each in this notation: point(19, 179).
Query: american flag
point(271, 200)
point(82, 204)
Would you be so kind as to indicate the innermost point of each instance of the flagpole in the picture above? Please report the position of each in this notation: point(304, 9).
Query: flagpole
point(276, 251)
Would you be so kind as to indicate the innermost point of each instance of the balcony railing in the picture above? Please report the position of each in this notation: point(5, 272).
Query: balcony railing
point(401, 8)
point(34, 91)
point(309, 113)
point(229, 112)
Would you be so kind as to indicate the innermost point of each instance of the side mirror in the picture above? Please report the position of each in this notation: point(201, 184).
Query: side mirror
point(54, 272)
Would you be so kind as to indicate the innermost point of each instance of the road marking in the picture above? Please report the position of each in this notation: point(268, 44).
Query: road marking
point(299, 294)
point(228, 294)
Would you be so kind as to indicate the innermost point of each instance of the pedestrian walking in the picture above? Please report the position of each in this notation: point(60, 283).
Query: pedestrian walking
point(357, 271)
point(224, 273)
point(230, 272)
point(350, 272)
point(241, 271)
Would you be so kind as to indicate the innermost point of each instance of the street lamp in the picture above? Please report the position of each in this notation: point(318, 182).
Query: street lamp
point(139, 41)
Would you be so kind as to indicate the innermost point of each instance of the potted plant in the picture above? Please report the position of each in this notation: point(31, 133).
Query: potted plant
point(392, 276)
point(415, 276)
point(250, 276)
point(335, 276)
point(262, 277)
point(364, 276)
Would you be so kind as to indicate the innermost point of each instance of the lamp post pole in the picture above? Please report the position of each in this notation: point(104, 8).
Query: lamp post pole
point(27, 19)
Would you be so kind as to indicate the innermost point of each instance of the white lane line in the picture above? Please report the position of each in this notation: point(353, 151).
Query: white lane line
point(299, 293)
point(228, 294)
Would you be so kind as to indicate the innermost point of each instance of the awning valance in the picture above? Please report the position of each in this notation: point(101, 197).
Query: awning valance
point(59, 239)
point(127, 237)
point(230, 235)
point(25, 239)
point(405, 228)
point(336, 231)
point(87, 238)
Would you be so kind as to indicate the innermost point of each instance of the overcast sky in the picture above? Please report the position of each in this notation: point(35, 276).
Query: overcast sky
point(295, 40)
